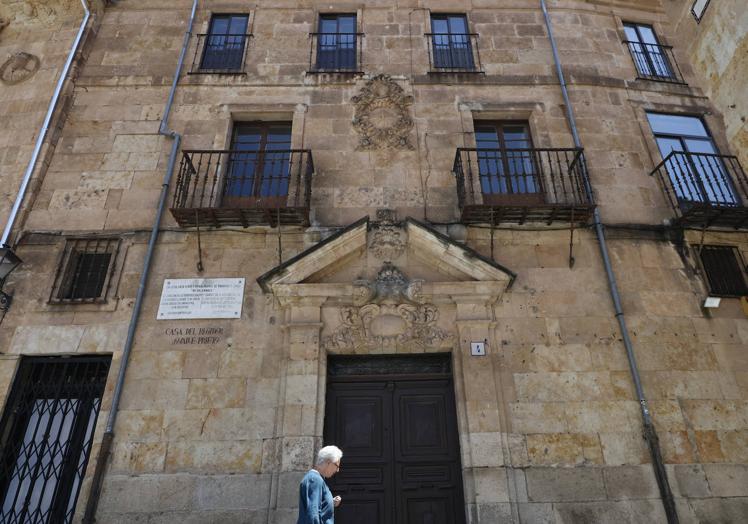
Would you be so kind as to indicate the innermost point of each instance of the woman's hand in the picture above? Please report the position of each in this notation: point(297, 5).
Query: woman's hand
point(336, 501)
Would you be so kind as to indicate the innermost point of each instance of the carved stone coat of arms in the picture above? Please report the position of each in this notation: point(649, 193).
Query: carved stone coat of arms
point(382, 117)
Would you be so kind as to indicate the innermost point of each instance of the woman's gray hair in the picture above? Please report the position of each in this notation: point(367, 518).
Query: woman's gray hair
point(329, 453)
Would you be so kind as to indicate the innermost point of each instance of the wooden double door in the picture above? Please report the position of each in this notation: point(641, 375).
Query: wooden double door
point(401, 460)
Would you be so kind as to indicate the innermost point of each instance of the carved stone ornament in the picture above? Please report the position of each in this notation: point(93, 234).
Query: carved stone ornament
point(19, 67)
point(388, 314)
point(388, 241)
point(382, 117)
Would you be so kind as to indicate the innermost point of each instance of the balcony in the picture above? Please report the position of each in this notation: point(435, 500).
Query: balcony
point(705, 190)
point(335, 52)
point(243, 188)
point(522, 185)
point(655, 62)
point(220, 54)
point(453, 53)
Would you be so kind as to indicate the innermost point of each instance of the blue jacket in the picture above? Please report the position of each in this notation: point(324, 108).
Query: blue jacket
point(315, 500)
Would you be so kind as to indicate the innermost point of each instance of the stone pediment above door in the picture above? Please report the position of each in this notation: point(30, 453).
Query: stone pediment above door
point(386, 260)
point(384, 287)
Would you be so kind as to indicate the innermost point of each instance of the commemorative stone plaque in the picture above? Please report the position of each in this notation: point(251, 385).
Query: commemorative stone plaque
point(196, 298)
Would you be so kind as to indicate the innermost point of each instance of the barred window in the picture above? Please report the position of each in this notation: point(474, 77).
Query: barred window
point(699, 8)
point(725, 271)
point(85, 270)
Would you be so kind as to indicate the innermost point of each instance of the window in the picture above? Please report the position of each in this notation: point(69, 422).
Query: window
point(506, 163)
point(725, 271)
point(46, 433)
point(85, 271)
point(651, 59)
point(450, 43)
point(224, 45)
point(699, 8)
point(336, 43)
point(697, 172)
point(259, 163)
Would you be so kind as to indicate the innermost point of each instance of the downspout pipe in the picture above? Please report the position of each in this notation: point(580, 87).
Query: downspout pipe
point(21, 195)
point(108, 437)
point(650, 435)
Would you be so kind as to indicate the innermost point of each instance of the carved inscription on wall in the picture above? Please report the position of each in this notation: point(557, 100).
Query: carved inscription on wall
point(382, 117)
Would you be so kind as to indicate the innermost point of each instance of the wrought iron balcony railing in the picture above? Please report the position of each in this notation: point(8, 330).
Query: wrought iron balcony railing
point(453, 53)
point(522, 185)
point(705, 189)
point(655, 62)
point(335, 52)
point(243, 188)
point(221, 54)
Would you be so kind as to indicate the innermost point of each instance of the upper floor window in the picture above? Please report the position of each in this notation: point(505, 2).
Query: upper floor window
point(699, 8)
point(653, 61)
point(725, 271)
point(696, 169)
point(337, 43)
point(85, 271)
point(451, 45)
point(259, 164)
point(225, 44)
point(506, 163)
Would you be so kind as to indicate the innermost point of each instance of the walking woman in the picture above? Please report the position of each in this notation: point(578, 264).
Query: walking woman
point(316, 503)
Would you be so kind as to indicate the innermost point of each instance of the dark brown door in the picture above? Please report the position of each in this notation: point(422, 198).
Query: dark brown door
point(401, 461)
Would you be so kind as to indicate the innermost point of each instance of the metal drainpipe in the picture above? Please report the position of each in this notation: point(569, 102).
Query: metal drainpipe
point(108, 437)
point(45, 127)
point(650, 435)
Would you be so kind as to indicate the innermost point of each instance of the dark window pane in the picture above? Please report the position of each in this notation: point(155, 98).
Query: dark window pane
point(259, 163)
point(336, 43)
point(724, 271)
point(224, 44)
point(450, 42)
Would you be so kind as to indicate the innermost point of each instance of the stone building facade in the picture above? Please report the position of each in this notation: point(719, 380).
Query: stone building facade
point(405, 202)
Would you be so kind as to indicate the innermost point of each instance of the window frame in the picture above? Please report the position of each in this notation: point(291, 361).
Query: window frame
point(66, 267)
point(258, 174)
point(473, 65)
point(741, 268)
point(654, 71)
point(508, 171)
point(317, 66)
point(246, 35)
point(703, 184)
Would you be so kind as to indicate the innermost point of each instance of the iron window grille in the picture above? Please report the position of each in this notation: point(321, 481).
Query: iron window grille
point(223, 49)
point(725, 271)
point(46, 433)
point(699, 8)
point(85, 272)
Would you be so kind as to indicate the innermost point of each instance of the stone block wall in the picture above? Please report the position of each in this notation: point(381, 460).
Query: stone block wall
point(46, 31)
point(549, 422)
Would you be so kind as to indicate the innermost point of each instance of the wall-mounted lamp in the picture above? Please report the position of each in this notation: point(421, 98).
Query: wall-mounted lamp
point(8, 262)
